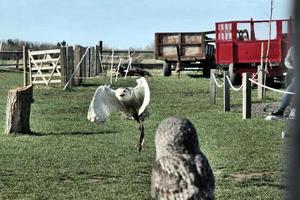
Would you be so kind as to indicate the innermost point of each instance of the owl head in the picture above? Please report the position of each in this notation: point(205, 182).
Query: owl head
point(174, 136)
point(123, 93)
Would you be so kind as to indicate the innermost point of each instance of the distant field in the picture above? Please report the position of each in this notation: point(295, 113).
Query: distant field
point(70, 158)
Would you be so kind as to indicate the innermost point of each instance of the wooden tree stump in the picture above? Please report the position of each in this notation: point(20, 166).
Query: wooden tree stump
point(18, 110)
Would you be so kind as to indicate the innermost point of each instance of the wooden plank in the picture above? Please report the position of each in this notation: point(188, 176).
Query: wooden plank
point(25, 67)
point(226, 92)
point(46, 60)
point(77, 54)
point(261, 74)
point(260, 79)
point(70, 55)
point(45, 68)
point(52, 51)
point(88, 64)
point(54, 68)
point(246, 96)
point(99, 52)
point(29, 67)
point(97, 61)
point(64, 66)
point(42, 82)
point(212, 90)
point(82, 64)
point(93, 62)
point(46, 75)
point(38, 68)
point(17, 64)
point(10, 52)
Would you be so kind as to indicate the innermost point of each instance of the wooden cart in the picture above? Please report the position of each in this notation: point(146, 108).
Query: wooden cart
point(186, 50)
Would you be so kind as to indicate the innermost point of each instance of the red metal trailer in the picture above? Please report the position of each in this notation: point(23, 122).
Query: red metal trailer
point(239, 45)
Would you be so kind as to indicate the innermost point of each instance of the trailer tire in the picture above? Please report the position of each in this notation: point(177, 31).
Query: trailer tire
point(235, 78)
point(206, 72)
point(232, 75)
point(167, 69)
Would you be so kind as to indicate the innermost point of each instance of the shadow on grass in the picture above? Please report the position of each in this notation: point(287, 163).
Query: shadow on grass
point(196, 76)
point(258, 180)
point(263, 182)
point(90, 85)
point(72, 133)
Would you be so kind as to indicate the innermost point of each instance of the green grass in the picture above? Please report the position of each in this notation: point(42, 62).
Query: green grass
point(71, 158)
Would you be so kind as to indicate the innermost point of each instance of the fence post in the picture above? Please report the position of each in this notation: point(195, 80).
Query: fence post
point(226, 92)
point(246, 96)
point(92, 61)
point(97, 60)
point(82, 66)
point(88, 63)
point(70, 54)
point(25, 66)
point(29, 78)
point(212, 90)
point(260, 79)
point(64, 66)
point(261, 74)
point(101, 52)
point(18, 57)
point(77, 56)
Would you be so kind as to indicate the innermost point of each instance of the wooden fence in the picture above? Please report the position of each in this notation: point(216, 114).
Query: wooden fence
point(57, 66)
point(6, 58)
point(69, 66)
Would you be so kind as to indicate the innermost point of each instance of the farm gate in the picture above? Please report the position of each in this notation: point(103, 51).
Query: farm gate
point(67, 66)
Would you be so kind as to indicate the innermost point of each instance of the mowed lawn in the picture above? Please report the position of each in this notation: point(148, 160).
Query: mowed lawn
point(69, 157)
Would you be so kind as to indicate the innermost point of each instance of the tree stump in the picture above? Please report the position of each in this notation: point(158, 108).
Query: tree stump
point(18, 110)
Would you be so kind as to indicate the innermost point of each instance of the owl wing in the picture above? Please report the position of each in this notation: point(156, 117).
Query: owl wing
point(204, 179)
point(142, 92)
point(173, 178)
point(104, 102)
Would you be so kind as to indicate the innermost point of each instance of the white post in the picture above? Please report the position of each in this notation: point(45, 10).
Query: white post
point(118, 68)
point(212, 93)
point(246, 96)
point(261, 74)
point(111, 66)
point(129, 64)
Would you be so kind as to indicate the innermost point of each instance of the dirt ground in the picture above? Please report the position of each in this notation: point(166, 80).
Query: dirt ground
point(260, 109)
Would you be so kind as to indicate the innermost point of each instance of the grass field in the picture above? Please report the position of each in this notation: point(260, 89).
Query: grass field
point(70, 158)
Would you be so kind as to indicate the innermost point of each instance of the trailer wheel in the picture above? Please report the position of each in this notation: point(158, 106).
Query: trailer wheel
point(206, 72)
point(167, 69)
point(232, 75)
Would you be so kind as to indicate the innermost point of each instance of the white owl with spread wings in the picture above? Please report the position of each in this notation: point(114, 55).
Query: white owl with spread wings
point(130, 101)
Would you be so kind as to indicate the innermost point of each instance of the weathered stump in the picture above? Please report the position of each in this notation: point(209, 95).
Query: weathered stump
point(18, 110)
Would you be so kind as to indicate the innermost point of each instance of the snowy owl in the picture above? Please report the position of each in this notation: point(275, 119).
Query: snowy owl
point(181, 171)
point(130, 101)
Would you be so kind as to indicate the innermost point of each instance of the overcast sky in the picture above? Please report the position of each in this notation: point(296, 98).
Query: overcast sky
point(123, 23)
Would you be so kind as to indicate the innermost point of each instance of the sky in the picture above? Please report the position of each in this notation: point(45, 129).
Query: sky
point(123, 23)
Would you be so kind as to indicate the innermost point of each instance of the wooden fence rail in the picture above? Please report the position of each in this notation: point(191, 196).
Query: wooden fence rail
point(7, 56)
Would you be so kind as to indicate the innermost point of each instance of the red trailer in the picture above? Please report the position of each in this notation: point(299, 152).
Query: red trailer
point(239, 45)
